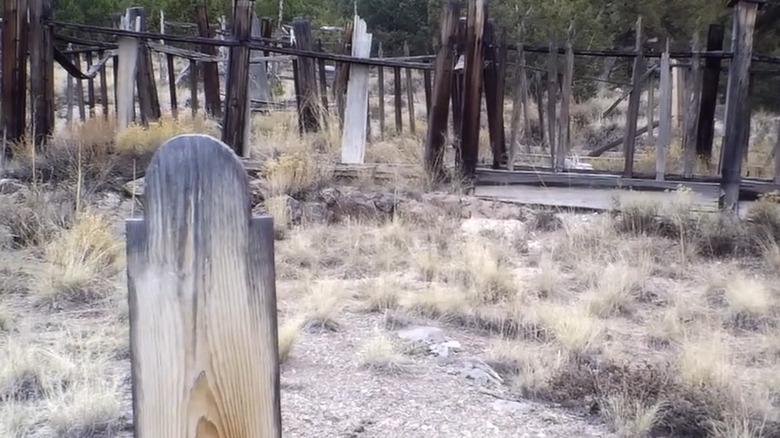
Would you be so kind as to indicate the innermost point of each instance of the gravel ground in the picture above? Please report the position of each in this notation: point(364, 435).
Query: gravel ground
point(325, 393)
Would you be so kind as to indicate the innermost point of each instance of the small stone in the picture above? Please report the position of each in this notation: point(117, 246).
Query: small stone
point(513, 407)
point(10, 186)
point(422, 333)
point(452, 345)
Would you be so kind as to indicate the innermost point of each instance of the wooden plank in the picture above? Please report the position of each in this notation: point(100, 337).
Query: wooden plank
point(615, 143)
point(80, 90)
point(777, 155)
point(259, 87)
point(633, 103)
point(211, 92)
point(234, 121)
point(128, 54)
point(172, 86)
point(552, 97)
point(519, 103)
point(202, 300)
point(572, 179)
point(14, 77)
point(323, 86)
point(540, 107)
point(148, 102)
point(353, 140)
point(381, 84)
point(738, 83)
point(503, 51)
point(650, 111)
point(194, 87)
point(398, 102)
point(342, 75)
point(664, 115)
point(564, 120)
point(409, 93)
point(692, 100)
point(472, 92)
point(104, 84)
point(437, 117)
point(42, 66)
point(90, 87)
point(705, 133)
point(428, 84)
point(307, 74)
point(490, 85)
point(115, 71)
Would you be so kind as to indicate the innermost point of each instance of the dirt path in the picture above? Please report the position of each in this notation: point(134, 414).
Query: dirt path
point(325, 393)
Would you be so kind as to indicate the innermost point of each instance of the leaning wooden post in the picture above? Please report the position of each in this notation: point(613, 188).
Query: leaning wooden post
point(633, 103)
point(213, 105)
point(705, 131)
point(128, 55)
point(745, 12)
point(14, 77)
point(664, 116)
point(353, 140)
point(307, 74)
point(564, 119)
point(103, 84)
point(495, 115)
point(519, 103)
point(381, 83)
point(409, 92)
point(552, 97)
point(234, 120)
point(442, 83)
point(692, 98)
point(42, 64)
point(172, 86)
point(202, 299)
point(472, 93)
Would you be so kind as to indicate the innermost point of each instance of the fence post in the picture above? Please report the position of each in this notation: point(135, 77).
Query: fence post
point(409, 92)
point(564, 119)
point(552, 97)
point(353, 140)
point(738, 82)
point(495, 116)
point(629, 140)
point(307, 77)
point(705, 132)
point(472, 93)
point(213, 105)
point(14, 53)
point(128, 55)
point(148, 102)
point(692, 98)
point(381, 84)
point(519, 101)
point(442, 84)
point(42, 64)
point(202, 299)
point(236, 111)
point(664, 115)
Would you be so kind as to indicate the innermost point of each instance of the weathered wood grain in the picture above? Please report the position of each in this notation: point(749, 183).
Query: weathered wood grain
point(236, 94)
point(409, 93)
point(633, 103)
point(213, 104)
point(472, 92)
point(353, 140)
point(692, 99)
point(738, 82)
point(202, 300)
point(128, 55)
point(664, 115)
point(42, 64)
point(709, 94)
point(442, 84)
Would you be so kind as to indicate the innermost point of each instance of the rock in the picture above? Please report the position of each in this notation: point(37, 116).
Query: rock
point(452, 345)
point(506, 229)
point(422, 333)
point(9, 186)
point(135, 187)
point(315, 213)
point(512, 407)
point(480, 373)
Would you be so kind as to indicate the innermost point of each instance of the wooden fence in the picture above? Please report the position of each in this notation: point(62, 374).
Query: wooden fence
point(474, 60)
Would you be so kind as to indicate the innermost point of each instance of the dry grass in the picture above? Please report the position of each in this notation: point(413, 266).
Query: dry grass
point(661, 319)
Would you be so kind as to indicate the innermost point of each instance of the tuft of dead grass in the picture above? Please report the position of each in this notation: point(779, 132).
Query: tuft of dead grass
point(381, 353)
point(289, 333)
point(81, 263)
point(629, 417)
point(322, 305)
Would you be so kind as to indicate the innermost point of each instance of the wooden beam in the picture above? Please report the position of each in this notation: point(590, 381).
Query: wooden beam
point(705, 131)
point(633, 103)
point(381, 86)
point(353, 140)
point(664, 115)
point(42, 64)
point(213, 104)
point(234, 120)
point(202, 300)
point(307, 75)
point(738, 85)
point(493, 104)
point(409, 93)
point(14, 77)
point(566, 91)
point(472, 93)
point(442, 83)
point(128, 55)
point(692, 99)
